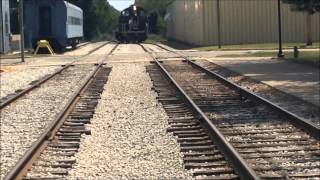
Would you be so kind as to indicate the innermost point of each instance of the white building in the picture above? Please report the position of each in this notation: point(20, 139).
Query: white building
point(208, 22)
point(4, 26)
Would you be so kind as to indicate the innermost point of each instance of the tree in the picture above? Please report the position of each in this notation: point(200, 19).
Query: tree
point(155, 8)
point(158, 6)
point(100, 19)
point(308, 6)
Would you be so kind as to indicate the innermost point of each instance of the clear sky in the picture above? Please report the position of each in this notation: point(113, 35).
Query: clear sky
point(121, 4)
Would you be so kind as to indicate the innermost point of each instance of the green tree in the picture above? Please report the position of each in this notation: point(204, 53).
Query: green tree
point(100, 19)
point(308, 6)
point(156, 6)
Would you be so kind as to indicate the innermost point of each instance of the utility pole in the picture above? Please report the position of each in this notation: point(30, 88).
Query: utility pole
point(219, 24)
point(21, 29)
point(280, 53)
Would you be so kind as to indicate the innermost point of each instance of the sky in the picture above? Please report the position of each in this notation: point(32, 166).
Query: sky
point(121, 4)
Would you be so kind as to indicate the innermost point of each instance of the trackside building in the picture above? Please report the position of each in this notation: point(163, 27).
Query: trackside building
point(208, 22)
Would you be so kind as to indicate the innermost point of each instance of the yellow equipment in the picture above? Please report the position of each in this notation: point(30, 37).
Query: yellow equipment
point(44, 44)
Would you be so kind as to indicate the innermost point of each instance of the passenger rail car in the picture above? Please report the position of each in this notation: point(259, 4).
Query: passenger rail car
point(132, 25)
point(59, 22)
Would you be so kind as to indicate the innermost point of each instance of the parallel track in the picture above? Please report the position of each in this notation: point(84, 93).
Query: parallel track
point(51, 156)
point(200, 153)
point(310, 127)
point(259, 139)
point(289, 102)
point(5, 101)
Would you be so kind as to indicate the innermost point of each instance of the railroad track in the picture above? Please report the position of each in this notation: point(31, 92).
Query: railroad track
point(305, 110)
point(292, 103)
point(200, 152)
point(260, 140)
point(52, 155)
point(83, 44)
point(97, 48)
point(5, 101)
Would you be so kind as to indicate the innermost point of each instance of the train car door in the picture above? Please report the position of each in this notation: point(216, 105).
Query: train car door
point(45, 21)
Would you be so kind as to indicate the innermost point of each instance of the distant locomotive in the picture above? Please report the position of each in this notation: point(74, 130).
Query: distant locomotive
point(59, 22)
point(132, 25)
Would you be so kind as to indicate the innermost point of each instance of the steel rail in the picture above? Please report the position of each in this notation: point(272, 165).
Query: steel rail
point(238, 163)
point(23, 164)
point(299, 122)
point(83, 44)
point(43, 80)
point(97, 48)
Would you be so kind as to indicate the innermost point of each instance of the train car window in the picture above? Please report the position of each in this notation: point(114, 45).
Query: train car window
point(74, 20)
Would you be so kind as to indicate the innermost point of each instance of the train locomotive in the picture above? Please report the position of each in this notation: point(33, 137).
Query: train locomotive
point(57, 21)
point(132, 25)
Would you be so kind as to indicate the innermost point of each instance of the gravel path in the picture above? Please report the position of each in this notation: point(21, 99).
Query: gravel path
point(99, 54)
point(24, 120)
point(55, 60)
point(129, 139)
point(21, 78)
point(129, 53)
point(154, 48)
point(84, 49)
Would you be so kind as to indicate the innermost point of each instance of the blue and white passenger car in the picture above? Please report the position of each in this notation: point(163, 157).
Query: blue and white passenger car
point(59, 22)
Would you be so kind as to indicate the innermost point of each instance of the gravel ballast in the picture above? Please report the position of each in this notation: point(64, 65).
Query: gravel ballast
point(128, 133)
point(290, 102)
point(21, 78)
point(24, 120)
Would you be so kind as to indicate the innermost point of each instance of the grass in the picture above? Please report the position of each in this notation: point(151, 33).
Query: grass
point(305, 57)
point(264, 46)
point(310, 58)
point(174, 44)
point(250, 54)
point(152, 38)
